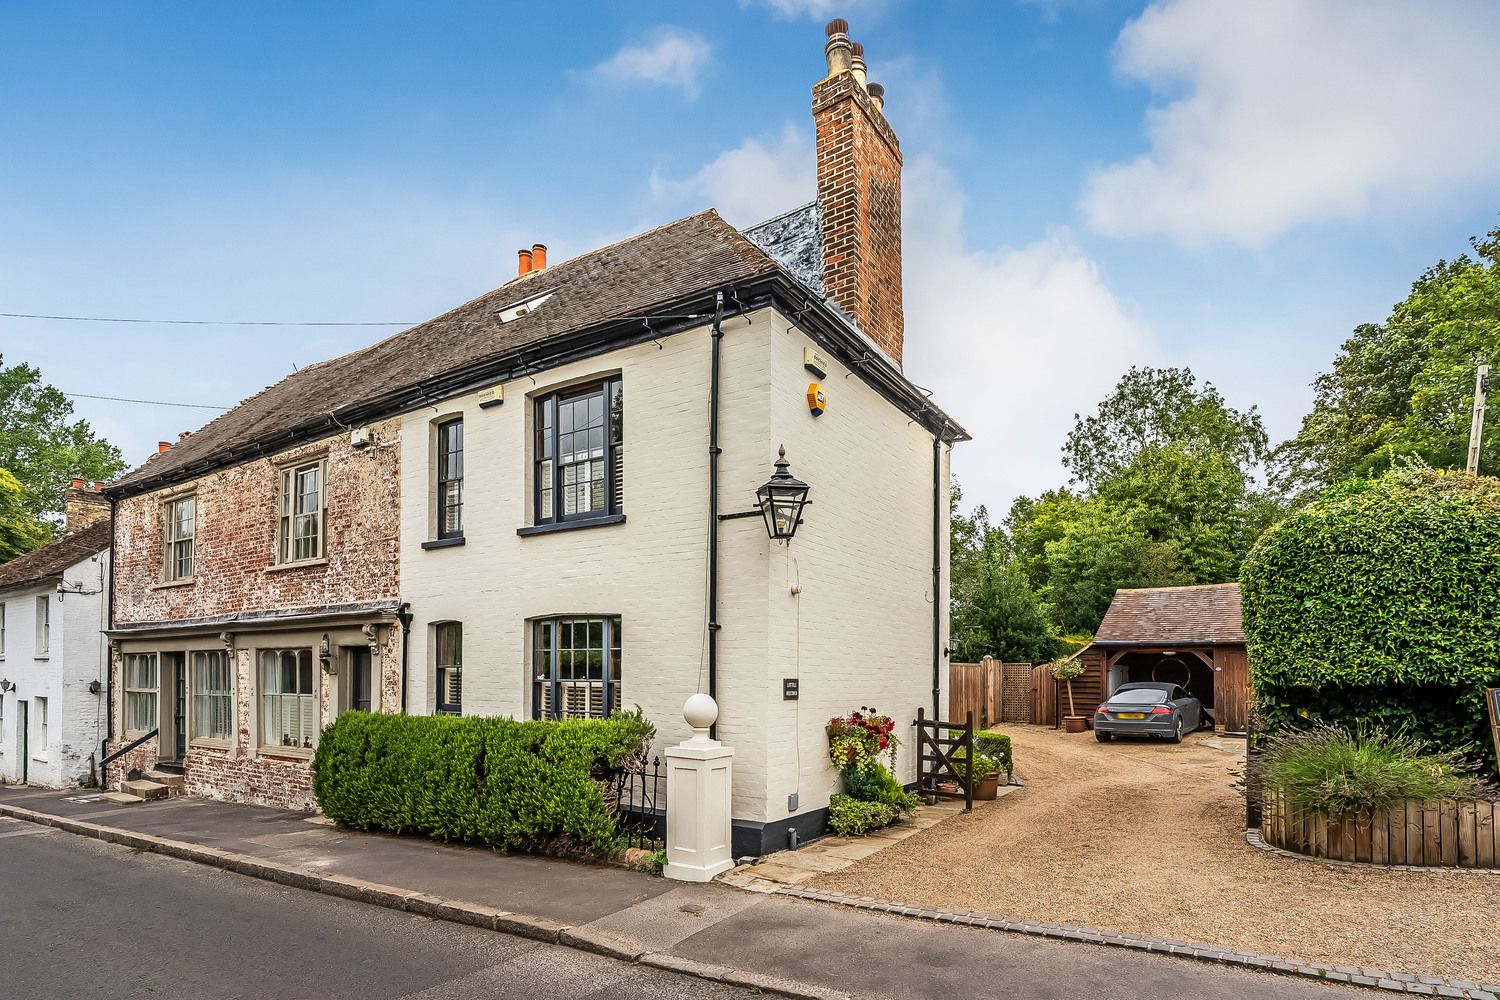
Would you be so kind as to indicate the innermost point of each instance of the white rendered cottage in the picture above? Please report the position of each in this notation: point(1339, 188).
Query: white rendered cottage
point(53, 655)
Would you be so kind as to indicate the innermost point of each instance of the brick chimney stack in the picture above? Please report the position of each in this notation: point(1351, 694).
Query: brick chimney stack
point(859, 193)
point(84, 505)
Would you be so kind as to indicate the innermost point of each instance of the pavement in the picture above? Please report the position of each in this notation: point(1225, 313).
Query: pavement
point(723, 936)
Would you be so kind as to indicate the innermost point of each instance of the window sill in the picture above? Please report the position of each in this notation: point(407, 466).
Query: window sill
point(42, 656)
point(288, 753)
point(168, 584)
point(592, 522)
point(221, 746)
point(44, 758)
point(443, 543)
point(302, 564)
point(131, 735)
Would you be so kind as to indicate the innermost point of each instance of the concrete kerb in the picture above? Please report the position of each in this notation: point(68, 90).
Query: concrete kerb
point(1393, 982)
point(422, 904)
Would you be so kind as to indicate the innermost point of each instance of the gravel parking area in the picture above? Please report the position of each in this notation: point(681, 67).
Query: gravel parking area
point(1148, 837)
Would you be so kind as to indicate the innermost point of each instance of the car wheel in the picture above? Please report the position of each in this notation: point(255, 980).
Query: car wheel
point(1176, 736)
point(1102, 736)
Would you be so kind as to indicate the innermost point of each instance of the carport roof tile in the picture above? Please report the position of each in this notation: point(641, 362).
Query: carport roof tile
point(1179, 616)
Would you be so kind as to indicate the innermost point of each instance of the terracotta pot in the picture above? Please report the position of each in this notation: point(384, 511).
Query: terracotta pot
point(950, 787)
point(986, 789)
point(1075, 723)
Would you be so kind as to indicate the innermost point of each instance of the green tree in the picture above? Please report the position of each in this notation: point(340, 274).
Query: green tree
point(1031, 524)
point(1404, 387)
point(1009, 620)
point(42, 446)
point(1160, 406)
point(1103, 548)
point(20, 532)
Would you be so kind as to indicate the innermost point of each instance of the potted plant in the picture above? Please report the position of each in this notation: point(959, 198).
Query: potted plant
point(984, 774)
point(1067, 671)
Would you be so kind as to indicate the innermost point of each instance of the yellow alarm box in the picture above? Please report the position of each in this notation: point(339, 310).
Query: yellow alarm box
point(816, 401)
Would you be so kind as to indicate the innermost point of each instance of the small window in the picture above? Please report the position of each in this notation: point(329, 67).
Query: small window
point(579, 453)
point(140, 692)
point(288, 699)
point(576, 667)
point(43, 625)
point(181, 518)
point(303, 513)
point(450, 478)
point(450, 667)
point(213, 696)
point(42, 737)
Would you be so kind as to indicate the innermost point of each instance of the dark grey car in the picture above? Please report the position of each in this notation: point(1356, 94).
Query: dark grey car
point(1148, 708)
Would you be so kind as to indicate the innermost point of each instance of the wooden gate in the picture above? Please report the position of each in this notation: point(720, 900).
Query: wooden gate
point(935, 742)
point(1043, 696)
point(1231, 690)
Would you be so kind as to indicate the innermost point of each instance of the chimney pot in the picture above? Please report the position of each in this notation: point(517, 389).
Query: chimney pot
point(838, 48)
point(877, 96)
point(525, 262)
point(182, 435)
point(77, 483)
point(162, 447)
point(538, 257)
point(857, 62)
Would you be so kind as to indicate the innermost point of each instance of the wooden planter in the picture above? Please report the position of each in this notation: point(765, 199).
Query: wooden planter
point(1462, 834)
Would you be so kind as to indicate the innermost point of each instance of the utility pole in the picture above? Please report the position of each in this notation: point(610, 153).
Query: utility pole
point(1476, 429)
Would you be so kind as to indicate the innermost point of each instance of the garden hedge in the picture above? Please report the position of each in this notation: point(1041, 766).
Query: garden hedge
point(536, 785)
point(1380, 603)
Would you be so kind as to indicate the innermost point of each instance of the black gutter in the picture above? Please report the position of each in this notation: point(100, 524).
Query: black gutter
point(780, 289)
point(713, 508)
point(403, 615)
point(937, 572)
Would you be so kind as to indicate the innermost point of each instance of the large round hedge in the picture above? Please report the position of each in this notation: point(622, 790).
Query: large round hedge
point(1381, 603)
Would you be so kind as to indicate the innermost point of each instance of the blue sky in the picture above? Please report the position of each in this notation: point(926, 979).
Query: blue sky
point(1088, 183)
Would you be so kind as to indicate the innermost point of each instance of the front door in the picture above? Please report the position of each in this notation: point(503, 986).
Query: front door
point(359, 679)
point(179, 708)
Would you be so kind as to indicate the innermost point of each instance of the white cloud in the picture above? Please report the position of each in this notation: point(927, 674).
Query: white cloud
point(817, 8)
point(750, 183)
point(672, 57)
point(1012, 341)
point(1282, 113)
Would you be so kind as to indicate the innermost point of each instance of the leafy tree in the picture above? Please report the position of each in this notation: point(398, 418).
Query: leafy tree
point(1031, 524)
point(1009, 620)
point(1159, 406)
point(20, 532)
point(1103, 548)
point(1404, 387)
point(42, 446)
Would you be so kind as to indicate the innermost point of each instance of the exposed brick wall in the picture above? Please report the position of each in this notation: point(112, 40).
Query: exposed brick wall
point(235, 540)
point(859, 191)
point(142, 758)
point(282, 783)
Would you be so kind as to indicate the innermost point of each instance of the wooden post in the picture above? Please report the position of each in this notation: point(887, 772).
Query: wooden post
point(969, 757)
point(1476, 428)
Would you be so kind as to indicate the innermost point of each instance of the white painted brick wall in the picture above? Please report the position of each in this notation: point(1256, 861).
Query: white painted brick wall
point(864, 553)
point(77, 654)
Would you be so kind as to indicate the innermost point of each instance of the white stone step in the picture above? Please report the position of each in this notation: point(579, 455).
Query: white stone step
point(173, 781)
point(121, 798)
point(144, 789)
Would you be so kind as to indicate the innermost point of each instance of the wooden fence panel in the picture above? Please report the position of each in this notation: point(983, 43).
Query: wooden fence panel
point(1015, 692)
point(1435, 834)
point(964, 686)
point(1043, 696)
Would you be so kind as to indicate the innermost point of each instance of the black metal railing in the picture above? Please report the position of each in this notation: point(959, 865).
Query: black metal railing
point(111, 758)
point(638, 799)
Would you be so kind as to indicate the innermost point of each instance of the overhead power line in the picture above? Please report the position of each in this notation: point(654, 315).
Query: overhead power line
point(192, 322)
point(148, 402)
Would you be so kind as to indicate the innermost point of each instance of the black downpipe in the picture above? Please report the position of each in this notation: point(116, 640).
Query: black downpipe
point(937, 570)
point(403, 615)
point(109, 674)
point(713, 509)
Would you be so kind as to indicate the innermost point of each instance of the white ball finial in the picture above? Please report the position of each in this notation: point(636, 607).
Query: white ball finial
point(700, 711)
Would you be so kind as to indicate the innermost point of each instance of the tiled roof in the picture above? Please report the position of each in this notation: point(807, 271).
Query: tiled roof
point(1174, 616)
point(659, 266)
point(53, 558)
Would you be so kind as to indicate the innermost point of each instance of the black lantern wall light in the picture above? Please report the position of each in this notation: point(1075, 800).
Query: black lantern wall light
point(780, 501)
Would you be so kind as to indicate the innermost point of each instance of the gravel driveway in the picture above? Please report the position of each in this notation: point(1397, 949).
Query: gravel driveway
point(1148, 837)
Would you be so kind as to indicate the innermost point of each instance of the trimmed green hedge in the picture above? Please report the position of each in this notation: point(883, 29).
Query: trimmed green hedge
point(1380, 604)
point(511, 785)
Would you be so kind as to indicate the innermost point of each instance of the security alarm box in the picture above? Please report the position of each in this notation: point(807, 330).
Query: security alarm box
point(814, 362)
point(493, 396)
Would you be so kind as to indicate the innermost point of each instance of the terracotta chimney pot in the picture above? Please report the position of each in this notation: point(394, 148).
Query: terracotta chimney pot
point(162, 447)
point(538, 257)
point(77, 483)
point(525, 264)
